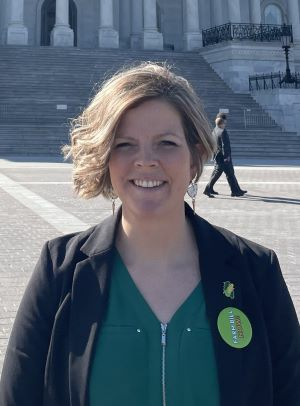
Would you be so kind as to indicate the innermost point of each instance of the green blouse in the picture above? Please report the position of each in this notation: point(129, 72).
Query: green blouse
point(140, 361)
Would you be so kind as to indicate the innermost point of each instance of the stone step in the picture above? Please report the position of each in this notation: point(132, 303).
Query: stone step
point(245, 137)
point(35, 80)
point(252, 139)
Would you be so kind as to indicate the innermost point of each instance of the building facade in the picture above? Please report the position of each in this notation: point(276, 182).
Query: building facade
point(171, 25)
point(143, 24)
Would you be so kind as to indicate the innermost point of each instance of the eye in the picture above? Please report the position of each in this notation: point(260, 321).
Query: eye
point(123, 145)
point(168, 143)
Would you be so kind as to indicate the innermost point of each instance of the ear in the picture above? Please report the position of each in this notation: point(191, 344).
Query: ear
point(199, 148)
point(193, 171)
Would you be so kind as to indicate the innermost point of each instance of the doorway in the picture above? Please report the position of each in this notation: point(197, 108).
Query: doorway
point(170, 23)
point(48, 20)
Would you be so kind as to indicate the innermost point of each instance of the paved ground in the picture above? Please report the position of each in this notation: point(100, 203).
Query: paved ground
point(37, 203)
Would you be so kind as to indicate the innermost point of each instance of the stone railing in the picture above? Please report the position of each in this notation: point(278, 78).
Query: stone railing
point(248, 31)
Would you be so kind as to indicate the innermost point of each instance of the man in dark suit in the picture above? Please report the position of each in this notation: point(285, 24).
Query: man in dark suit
point(223, 161)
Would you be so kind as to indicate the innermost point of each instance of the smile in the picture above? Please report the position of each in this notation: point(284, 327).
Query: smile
point(147, 183)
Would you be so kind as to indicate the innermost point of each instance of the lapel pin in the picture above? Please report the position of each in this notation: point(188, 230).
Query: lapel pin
point(228, 289)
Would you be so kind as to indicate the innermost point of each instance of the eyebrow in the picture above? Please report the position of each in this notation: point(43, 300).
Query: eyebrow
point(165, 133)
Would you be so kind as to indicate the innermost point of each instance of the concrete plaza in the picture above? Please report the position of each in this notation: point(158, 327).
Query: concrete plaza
point(37, 204)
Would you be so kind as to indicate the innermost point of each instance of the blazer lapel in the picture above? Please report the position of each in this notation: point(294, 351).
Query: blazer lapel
point(219, 263)
point(88, 299)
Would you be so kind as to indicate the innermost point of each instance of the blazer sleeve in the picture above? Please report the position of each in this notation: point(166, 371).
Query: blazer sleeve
point(284, 337)
point(22, 379)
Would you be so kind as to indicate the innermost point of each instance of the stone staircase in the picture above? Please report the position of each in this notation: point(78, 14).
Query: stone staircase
point(42, 88)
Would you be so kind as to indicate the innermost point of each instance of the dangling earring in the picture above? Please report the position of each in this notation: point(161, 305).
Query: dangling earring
point(113, 204)
point(192, 192)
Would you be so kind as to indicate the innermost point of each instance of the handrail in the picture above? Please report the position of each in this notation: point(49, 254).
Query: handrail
point(273, 81)
point(244, 31)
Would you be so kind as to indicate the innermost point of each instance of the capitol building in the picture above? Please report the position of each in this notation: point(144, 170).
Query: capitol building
point(149, 24)
point(178, 25)
point(145, 24)
point(238, 39)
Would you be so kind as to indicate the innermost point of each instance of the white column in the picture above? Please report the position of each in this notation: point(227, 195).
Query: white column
point(17, 33)
point(136, 24)
point(192, 36)
point(62, 35)
point(217, 12)
point(152, 39)
point(255, 12)
point(234, 11)
point(294, 18)
point(108, 36)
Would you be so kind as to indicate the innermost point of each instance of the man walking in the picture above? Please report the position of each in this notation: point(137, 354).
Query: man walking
point(223, 161)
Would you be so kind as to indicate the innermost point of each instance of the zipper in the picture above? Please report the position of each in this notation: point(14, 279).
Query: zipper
point(163, 361)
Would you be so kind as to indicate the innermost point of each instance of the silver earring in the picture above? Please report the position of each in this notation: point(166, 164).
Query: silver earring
point(192, 192)
point(113, 204)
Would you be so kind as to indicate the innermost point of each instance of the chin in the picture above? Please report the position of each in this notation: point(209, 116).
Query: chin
point(147, 209)
point(150, 209)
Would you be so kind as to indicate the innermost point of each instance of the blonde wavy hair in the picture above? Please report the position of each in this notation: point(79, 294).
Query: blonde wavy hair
point(93, 131)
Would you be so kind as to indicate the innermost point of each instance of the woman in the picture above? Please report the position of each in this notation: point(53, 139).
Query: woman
point(223, 160)
point(139, 310)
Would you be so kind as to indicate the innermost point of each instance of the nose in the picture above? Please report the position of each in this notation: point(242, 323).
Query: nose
point(146, 157)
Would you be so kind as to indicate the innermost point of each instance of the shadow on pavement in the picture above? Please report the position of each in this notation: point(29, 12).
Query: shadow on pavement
point(266, 199)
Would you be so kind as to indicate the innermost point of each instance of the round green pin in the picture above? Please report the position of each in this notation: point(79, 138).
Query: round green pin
point(234, 327)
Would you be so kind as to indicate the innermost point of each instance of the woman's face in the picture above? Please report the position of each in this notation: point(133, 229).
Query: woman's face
point(150, 165)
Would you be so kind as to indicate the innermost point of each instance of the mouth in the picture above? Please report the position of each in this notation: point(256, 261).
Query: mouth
point(147, 184)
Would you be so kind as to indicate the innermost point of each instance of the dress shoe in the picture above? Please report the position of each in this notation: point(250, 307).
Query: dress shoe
point(237, 194)
point(208, 192)
point(243, 191)
point(213, 192)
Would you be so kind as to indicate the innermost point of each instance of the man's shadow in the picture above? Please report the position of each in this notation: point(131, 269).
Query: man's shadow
point(266, 199)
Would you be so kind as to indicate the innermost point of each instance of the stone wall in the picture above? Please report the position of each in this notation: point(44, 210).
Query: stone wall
point(235, 61)
point(283, 105)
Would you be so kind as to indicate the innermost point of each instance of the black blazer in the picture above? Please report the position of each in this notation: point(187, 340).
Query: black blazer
point(51, 346)
point(223, 146)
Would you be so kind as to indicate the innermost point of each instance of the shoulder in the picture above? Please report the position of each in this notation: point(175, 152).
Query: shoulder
point(221, 239)
point(69, 249)
point(60, 256)
point(252, 261)
point(56, 264)
point(242, 244)
point(68, 245)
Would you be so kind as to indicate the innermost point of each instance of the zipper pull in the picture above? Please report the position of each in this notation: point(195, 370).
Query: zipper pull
point(163, 334)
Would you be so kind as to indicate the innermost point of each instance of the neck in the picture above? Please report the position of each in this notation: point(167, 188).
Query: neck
point(162, 240)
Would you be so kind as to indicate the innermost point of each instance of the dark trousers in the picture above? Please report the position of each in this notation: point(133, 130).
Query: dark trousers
point(227, 168)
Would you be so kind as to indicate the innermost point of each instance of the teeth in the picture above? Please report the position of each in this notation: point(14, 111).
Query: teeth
point(147, 183)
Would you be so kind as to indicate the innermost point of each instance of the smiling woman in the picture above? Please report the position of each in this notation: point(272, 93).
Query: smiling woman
point(153, 306)
point(94, 132)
